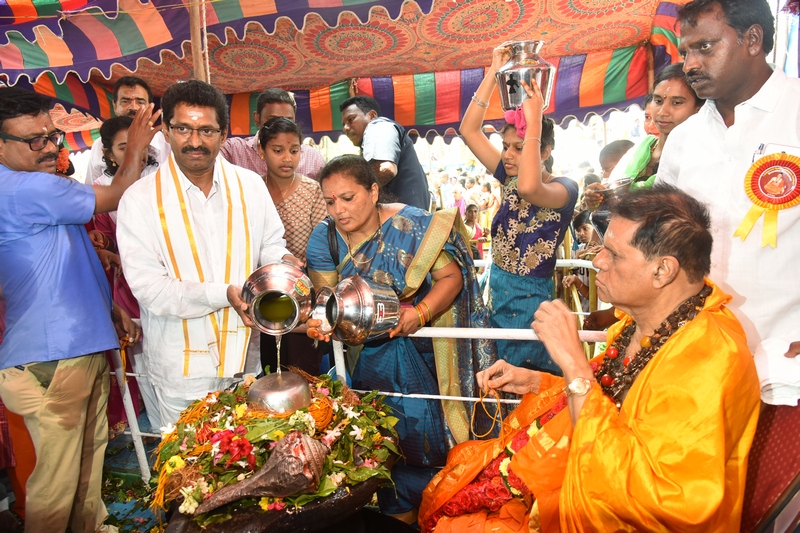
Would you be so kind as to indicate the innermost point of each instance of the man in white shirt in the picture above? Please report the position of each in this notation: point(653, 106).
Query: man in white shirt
point(722, 156)
point(130, 95)
point(243, 151)
point(189, 235)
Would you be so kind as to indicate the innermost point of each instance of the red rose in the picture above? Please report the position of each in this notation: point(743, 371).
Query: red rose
point(520, 439)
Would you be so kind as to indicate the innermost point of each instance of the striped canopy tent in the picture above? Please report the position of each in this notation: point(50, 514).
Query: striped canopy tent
point(421, 59)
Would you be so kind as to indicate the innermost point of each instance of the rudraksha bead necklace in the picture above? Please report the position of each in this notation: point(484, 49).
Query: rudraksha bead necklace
point(617, 374)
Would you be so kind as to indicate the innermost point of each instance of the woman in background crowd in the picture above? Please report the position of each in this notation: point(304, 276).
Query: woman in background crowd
point(673, 102)
point(476, 238)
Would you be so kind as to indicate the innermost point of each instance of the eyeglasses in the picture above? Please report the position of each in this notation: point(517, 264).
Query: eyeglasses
point(37, 143)
point(186, 131)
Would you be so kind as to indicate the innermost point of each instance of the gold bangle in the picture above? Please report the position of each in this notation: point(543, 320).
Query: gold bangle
point(421, 316)
point(526, 139)
point(430, 315)
point(478, 101)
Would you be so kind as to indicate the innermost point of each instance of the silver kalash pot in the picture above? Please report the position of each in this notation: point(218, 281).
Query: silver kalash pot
point(279, 296)
point(525, 65)
point(357, 310)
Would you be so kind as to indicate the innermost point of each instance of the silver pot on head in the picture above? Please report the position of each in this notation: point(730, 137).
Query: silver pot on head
point(279, 296)
point(525, 65)
point(357, 310)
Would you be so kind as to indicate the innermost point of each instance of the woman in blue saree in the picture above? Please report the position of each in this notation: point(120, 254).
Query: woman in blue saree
point(426, 260)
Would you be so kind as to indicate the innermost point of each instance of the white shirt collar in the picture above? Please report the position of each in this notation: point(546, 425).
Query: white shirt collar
point(765, 99)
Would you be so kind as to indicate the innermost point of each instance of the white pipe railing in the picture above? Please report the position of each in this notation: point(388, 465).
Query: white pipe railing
point(438, 397)
point(130, 414)
point(464, 333)
point(560, 263)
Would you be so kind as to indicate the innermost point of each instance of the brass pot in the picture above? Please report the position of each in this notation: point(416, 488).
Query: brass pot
point(357, 310)
point(279, 296)
point(525, 65)
point(280, 393)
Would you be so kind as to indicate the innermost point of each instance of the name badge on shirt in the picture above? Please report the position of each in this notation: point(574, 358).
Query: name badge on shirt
point(772, 183)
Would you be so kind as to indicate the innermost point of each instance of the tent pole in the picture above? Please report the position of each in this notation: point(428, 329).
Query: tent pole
point(195, 28)
point(651, 67)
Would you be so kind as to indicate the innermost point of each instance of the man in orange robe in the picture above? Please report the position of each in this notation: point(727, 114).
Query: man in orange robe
point(667, 454)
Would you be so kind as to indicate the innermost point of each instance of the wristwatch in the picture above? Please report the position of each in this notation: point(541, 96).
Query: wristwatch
point(578, 387)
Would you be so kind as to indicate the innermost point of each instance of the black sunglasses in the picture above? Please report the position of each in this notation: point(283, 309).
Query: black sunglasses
point(37, 143)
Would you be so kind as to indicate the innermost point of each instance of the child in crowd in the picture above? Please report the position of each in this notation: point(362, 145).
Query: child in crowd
point(589, 243)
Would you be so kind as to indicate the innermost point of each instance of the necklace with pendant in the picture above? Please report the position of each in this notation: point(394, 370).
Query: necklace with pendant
point(358, 263)
point(287, 189)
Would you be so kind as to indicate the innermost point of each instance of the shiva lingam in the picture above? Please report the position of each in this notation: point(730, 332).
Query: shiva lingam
point(525, 65)
point(357, 310)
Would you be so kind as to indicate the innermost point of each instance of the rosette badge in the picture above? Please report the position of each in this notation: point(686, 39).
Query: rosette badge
point(525, 65)
point(279, 296)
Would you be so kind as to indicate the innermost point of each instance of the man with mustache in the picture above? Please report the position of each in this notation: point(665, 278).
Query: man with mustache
point(387, 147)
point(189, 235)
point(130, 95)
point(717, 155)
point(53, 369)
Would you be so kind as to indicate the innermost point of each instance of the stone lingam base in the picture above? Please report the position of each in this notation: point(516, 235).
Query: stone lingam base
point(340, 509)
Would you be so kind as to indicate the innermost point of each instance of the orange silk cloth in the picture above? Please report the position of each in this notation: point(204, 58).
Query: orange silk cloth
point(674, 458)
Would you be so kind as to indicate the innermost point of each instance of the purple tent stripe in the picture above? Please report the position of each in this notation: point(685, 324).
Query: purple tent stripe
point(383, 89)
point(568, 84)
point(303, 114)
point(668, 9)
point(470, 80)
point(660, 58)
point(79, 41)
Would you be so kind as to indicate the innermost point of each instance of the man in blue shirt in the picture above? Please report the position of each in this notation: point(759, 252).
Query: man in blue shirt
point(53, 371)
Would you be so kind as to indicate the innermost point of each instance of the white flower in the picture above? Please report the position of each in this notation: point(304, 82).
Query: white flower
point(166, 430)
point(243, 464)
point(357, 433)
point(189, 505)
point(337, 478)
point(302, 417)
point(331, 435)
point(350, 412)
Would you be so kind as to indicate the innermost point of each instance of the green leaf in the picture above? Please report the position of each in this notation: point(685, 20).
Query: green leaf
point(168, 450)
point(326, 488)
point(207, 519)
point(361, 474)
point(226, 398)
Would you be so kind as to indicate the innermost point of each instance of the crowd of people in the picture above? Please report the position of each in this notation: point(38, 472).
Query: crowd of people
point(152, 250)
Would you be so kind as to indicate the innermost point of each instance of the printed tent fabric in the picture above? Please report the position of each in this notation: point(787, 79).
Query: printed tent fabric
point(421, 59)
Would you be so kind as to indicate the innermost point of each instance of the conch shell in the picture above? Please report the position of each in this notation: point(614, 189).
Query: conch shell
point(295, 466)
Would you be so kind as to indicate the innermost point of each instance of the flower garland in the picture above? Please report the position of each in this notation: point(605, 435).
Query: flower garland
point(221, 440)
point(497, 483)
